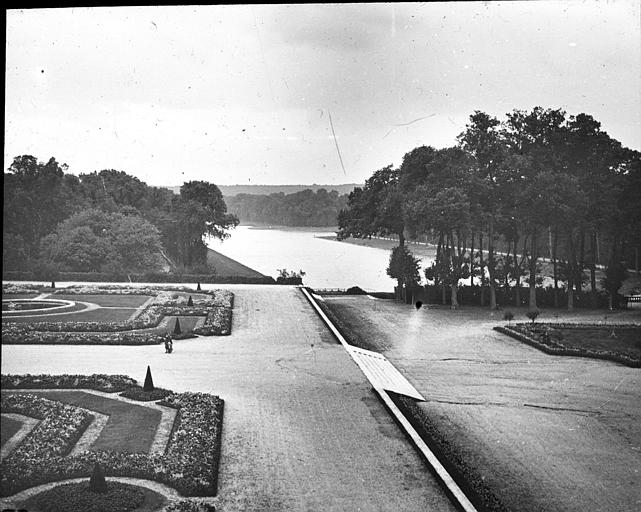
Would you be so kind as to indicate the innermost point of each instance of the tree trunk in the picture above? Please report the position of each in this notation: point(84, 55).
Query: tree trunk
point(581, 260)
point(472, 261)
point(490, 267)
point(454, 301)
point(555, 246)
point(593, 269)
point(533, 259)
point(401, 238)
point(482, 269)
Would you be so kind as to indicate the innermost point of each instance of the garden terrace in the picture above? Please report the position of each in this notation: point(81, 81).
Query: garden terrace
point(620, 343)
point(189, 463)
point(209, 313)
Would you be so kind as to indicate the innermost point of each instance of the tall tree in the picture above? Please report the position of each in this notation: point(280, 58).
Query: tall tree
point(536, 142)
point(484, 142)
point(375, 209)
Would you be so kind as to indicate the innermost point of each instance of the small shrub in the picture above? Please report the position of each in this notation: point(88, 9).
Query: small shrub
point(508, 316)
point(177, 329)
point(533, 315)
point(138, 393)
point(97, 482)
point(149, 383)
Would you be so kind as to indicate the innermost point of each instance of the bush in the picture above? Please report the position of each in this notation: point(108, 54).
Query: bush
point(138, 393)
point(533, 315)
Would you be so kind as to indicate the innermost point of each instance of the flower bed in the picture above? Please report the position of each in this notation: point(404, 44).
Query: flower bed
point(139, 394)
point(549, 339)
point(118, 497)
point(99, 382)
point(217, 310)
point(190, 463)
point(17, 335)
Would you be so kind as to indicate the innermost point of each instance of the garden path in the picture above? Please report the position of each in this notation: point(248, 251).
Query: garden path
point(547, 432)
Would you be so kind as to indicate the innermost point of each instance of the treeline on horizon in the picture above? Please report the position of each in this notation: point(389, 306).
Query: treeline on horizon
point(305, 208)
point(537, 184)
point(106, 221)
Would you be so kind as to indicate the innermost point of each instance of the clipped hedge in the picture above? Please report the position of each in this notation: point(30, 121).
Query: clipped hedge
point(544, 341)
point(97, 381)
point(217, 311)
point(149, 277)
point(190, 463)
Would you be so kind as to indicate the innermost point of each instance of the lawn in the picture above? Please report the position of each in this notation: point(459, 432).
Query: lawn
point(94, 315)
point(120, 301)
point(130, 429)
point(625, 340)
point(8, 428)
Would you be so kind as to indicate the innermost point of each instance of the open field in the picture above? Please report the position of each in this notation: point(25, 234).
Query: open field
point(543, 432)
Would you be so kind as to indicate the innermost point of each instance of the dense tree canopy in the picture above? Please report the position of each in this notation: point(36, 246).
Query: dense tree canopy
point(538, 185)
point(304, 208)
point(140, 222)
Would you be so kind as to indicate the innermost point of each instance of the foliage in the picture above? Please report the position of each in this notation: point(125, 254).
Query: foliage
point(140, 394)
point(577, 340)
point(149, 221)
point(97, 482)
point(304, 208)
point(404, 267)
point(289, 276)
point(532, 315)
point(148, 387)
point(375, 209)
point(190, 463)
point(190, 506)
point(116, 497)
point(100, 382)
point(538, 184)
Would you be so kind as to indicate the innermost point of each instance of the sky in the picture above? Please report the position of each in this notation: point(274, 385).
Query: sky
point(303, 94)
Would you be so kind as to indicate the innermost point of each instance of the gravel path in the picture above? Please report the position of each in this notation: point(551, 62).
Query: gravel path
point(302, 429)
point(546, 432)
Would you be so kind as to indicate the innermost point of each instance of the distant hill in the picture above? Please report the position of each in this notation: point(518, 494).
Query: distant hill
point(232, 190)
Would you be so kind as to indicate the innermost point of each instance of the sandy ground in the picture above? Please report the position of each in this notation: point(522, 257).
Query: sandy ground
point(546, 432)
point(302, 429)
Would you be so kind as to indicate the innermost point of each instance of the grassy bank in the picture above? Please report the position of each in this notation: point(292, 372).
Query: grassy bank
point(226, 266)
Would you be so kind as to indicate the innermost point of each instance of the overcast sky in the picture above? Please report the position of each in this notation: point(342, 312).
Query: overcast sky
point(248, 94)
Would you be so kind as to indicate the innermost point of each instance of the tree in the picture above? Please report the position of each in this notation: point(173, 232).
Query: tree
point(485, 143)
point(374, 210)
point(441, 203)
point(97, 241)
point(37, 196)
point(403, 267)
point(535, 142)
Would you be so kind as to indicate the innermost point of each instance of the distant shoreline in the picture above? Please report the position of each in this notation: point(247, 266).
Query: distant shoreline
point(256, 225)
point(421, 251)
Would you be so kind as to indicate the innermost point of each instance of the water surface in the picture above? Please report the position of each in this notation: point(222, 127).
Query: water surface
point(326, 263)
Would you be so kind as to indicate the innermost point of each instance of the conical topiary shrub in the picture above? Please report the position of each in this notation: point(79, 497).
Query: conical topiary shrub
point(53, 284)
point(97, 482)
point(177, 329)
point(190, 302)
point(149, 383)
point(198, 287)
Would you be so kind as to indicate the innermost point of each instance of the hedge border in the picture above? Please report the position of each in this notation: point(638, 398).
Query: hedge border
point(556, 349)
point(82, 464)
point(96, 277)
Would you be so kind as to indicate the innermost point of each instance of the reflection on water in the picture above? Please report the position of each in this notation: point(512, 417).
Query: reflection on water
point(326, 263)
